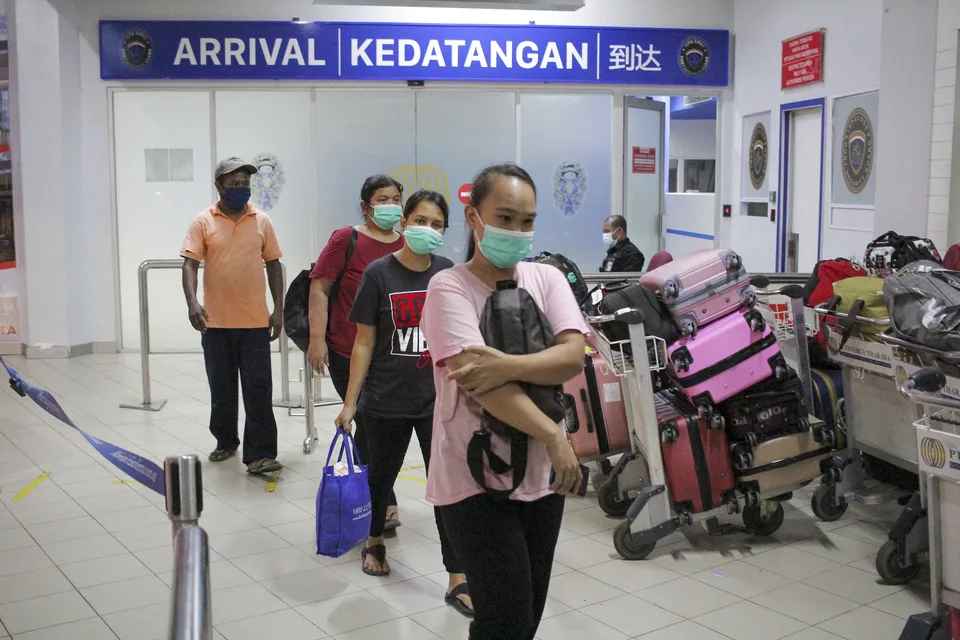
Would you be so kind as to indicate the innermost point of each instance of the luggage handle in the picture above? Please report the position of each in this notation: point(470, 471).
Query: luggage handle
point(825, 310)
point(890, 338)
point(627, 316)
point(924, 387)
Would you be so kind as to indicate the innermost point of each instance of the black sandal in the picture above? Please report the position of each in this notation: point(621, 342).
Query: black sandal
point(454, 601)
point(379, 553)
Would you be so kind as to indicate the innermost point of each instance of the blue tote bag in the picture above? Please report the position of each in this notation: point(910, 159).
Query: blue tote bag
point(343, 502)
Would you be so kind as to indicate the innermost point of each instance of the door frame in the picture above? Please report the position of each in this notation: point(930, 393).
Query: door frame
point(783, 196)
point(626, 159)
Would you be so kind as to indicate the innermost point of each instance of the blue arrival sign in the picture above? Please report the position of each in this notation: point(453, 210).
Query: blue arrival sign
point(453, 53)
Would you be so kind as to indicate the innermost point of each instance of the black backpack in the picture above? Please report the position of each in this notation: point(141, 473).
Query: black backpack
point(570, 271)
point(513, 323)
point(296, 302)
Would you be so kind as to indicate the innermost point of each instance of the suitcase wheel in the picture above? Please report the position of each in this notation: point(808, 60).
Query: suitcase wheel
point(765, 518)
point(742, 460)
point(733, 261)
point(780, 372)
point(688, 327)
point(752, 439)
point(803, 424)
point(670, 289)
point(669, 433)
point(717, 422)
point(680, 362)
point(704, 410)
point(756, 321)
point(824, 436)
point(748, 298)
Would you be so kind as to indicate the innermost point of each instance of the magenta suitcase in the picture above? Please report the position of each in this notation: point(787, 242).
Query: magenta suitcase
point(596, 414)
point(724, 358)
point(701, 287)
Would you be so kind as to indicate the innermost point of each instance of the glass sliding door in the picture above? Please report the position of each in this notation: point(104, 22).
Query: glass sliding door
point(565, 144)
point(643, 133)
point(457, 135)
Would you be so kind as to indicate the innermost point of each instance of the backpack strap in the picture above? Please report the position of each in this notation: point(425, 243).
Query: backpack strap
point(351, 245)
point(848, 324)
point(481, 445)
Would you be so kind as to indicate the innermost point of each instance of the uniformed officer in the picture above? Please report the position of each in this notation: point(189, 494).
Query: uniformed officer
point(622, 255)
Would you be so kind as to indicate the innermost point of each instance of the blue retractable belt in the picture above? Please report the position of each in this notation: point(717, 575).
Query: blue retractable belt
point(144, 471)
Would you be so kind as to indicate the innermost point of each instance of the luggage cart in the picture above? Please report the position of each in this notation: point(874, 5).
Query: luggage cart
point(937, 439)
point(639, 478)
point(873, 419)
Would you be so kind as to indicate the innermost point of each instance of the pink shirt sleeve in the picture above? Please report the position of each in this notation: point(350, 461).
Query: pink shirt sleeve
point(450, 320)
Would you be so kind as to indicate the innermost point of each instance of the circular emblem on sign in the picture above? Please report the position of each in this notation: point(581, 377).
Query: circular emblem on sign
point(758, 156)
point(933, 453)
point(694, 56)
point(136, 49)
point(856, 150)
point(266, 184)
point(569, 188)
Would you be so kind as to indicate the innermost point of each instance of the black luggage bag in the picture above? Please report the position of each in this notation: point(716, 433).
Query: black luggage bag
point(768, 410)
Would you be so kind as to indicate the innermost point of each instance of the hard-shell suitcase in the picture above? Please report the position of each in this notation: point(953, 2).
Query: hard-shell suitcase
point(596, 417)
point(782, 464)
point(701, 287)
point(769, 409)
point(696, 458)
point(827, 390)
point(726, 357)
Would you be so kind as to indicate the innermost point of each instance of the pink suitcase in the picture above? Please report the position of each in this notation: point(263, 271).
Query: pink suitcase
point(596, 414)
point(701, 287)
point(724, 358)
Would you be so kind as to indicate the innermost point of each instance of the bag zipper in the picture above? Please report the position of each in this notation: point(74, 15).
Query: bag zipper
point(727, 363)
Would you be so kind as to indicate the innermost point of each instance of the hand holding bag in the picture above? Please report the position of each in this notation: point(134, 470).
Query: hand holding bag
point(343, 501)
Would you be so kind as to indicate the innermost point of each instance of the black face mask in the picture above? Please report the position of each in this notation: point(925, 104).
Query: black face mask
point(236, 197)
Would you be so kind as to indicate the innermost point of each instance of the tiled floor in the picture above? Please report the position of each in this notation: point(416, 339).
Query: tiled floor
point(86, 555)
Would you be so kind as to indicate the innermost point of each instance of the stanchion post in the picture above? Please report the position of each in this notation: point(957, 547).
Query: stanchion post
point(284, 400)
point(184, 490)
point(191, 615)
point(310, 441)
point(148, 403)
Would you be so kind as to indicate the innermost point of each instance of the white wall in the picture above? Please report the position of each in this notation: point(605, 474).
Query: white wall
point(943, 219)
point(693, 139)
point(852, 65)
point(76, 303)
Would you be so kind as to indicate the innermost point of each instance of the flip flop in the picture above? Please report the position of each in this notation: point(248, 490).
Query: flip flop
point(391, 524)
point(222, 454)
point(458, 604)
point(379, 553)
point(264, 466)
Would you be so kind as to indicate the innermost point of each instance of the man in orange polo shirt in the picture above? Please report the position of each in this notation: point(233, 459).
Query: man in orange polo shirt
point(234, 240)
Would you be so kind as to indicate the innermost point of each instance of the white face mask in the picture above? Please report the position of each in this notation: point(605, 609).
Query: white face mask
point(608, 240)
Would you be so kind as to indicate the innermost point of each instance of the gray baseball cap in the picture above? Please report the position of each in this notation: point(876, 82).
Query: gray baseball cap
point(230, 165)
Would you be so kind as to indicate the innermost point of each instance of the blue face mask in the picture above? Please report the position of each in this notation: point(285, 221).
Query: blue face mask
point(423, 240)
point(505, 248)
point(386, 216)
point(236, 197)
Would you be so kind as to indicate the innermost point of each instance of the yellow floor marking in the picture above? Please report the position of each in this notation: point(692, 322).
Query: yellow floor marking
point(412, 467)
point(272, 482)
point(413, 478)
point(30, 487)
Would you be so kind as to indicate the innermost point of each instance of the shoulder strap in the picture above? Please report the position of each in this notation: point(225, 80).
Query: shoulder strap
point(481, 445)
point(351, 245)
point(849, 324)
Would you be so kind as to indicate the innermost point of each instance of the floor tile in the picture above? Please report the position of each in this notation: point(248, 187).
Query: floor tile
point(791, 563)
point(424, 559)
point(865, 623)
point(748, 621)
point(576, 625)
point(813, 633)
point(33, 584)
point(687, 597)
point(83, 527)
point(90, 629)
point(115, 597)
point(275, 564)
point(905, 603)
point(14, 539)
point(444, 622)
point(805, 603)
point(741, 579)
point(286, 625)
point(147, 623)
point(837, 548)
point(244, 601)
point(92, 548)
point(46, 611)
point(50, 513)
point(580, 553)
point(686, 630)
point(348, 613)
point(311, 586)
point(630, 576)
point(577, 590)
point(23, 560)
point(400, 628)
point(686, 560)
point(104, 570)
point(411, 596)
point(853, 583)
point(631, 615)
point(237, 545)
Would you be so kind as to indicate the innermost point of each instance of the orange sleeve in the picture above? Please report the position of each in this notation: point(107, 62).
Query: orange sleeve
point(271, 247)
point(194, 244)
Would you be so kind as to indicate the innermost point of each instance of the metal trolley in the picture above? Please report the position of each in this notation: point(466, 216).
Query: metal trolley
point(638, 480)
point(937, 440)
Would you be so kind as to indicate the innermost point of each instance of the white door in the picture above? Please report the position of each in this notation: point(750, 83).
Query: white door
point(803, 190)
point(643, 183)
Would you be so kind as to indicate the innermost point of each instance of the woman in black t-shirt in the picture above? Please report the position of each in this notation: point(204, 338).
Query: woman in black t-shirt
point(391, 373)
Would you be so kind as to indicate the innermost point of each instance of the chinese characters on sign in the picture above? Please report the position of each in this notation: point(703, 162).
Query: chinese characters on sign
point(634, 57)
point(644, 160)
point(802, 60)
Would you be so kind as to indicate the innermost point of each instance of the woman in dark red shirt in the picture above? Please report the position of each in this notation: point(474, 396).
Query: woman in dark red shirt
point(334, 276)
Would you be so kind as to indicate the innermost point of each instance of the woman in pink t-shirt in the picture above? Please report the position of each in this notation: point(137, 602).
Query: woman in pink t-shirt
point(506, 547)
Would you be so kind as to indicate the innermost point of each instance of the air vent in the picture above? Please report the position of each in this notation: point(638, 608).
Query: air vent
point(535, 5)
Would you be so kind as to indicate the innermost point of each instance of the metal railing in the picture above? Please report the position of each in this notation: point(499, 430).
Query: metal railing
point(148, 403)
point(191, 616)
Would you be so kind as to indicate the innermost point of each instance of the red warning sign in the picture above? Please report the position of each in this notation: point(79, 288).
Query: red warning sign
point(464, 193)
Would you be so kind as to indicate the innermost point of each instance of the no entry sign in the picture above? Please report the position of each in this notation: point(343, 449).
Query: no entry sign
point(464, 193)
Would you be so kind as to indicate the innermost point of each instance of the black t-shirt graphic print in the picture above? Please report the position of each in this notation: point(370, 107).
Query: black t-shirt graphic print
point(390, 298)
